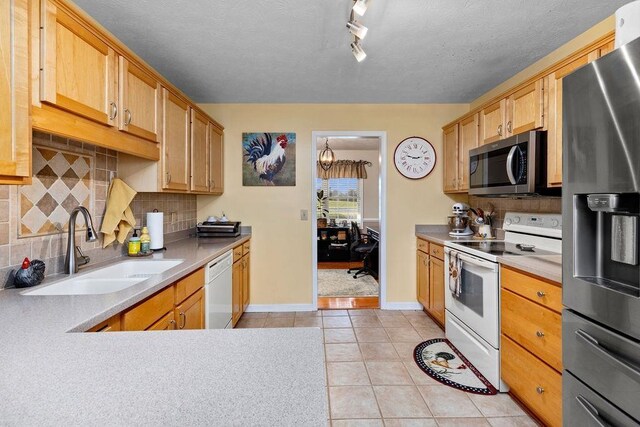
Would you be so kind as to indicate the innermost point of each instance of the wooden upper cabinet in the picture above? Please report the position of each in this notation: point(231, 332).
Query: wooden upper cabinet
point(175, 141)
point(554, 119)
point(78, 69)
point(492, 122)
point(199, 152)
point(525, 110)
point(216, 160)
point(450, 151)
point(469, 133)
point(15, 128)
point(140, 102)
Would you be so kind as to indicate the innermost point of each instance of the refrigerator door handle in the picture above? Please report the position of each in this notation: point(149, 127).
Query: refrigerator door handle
point(510, 157)
point(592, 411)
point(594, 345)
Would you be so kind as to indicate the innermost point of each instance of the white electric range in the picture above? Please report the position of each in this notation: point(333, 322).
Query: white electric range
point(473, 316)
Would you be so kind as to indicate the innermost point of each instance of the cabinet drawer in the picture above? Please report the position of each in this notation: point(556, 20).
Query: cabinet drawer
point(237, 253)
point(189, 285)
point(436, 251)
point(148, 311)
point(166, 323)
point(538, 290)
point(109, 325)
point(245, 247)
point(537, 385)
point(536, 328)
point(423, 246)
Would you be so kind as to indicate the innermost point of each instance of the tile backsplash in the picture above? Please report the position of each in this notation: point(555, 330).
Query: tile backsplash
point(34, 218)
point(503, 205)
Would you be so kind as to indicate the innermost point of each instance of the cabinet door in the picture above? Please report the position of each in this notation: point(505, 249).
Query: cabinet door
point(15, 128)
point(166, 323)
point(146, 313)
point(216, 160)
point(246, 280)
point(140, 96)
point(199, 152)
point(525, 109)
point(605, 49)
point(554, 122)
point(450, 142)
point(422, 276)
point(175, 142)
point(236, 292)
point(190, 314)
point(492, 127)
point(110, 325)
point(436, 289)
point(78, 69)
point(468, 139)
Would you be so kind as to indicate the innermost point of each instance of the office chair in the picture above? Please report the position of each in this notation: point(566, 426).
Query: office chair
point(361, 250)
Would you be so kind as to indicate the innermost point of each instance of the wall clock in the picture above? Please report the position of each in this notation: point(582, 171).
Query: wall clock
point(415, 157)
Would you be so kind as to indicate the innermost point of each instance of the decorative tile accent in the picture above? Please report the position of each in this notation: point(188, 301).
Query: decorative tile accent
point(62, 181)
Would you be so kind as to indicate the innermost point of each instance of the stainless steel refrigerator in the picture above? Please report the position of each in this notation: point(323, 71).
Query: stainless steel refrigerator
point(601, 243)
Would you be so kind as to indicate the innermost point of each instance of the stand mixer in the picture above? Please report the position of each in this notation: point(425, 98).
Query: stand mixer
point(459, 221)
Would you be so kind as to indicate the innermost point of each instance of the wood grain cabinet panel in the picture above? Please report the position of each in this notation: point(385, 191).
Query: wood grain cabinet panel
point(236, 307)
point(246, 280)
point(423, 246)
point(140, 102)
point(422, 275)
point(469, 133)
point(78, 69)
point(546, 293)
point(175, 142)
point(166, 323)
point(525, 110)
point(492, 122)
point(146, 313)
point(15, 127)
point(450, 154)
point(110, 325)
point(199, 152)
point(216, 160)
point(188, 285)
point(191, 313)
point(436, 289)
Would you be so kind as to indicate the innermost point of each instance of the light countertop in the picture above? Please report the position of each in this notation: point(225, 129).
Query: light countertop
point(50, 375)
point(546, 266)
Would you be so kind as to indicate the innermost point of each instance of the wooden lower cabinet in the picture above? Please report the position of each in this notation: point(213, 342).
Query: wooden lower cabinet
point(146, 313)
point(241, 274)
point(166, 323)
point(430, 279)
point(109, 325)
point(531, 340)
point(190, 313)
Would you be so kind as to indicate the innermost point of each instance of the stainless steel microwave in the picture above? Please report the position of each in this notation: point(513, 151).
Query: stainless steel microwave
point(513, 166)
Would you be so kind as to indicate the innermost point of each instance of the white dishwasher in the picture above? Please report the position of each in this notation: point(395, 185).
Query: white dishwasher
point(218, 292)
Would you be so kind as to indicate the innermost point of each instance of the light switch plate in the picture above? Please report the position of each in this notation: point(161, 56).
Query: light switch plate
point(304, 215)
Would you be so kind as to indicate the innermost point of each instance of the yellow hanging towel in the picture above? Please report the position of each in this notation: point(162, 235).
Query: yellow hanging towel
point(118, 217)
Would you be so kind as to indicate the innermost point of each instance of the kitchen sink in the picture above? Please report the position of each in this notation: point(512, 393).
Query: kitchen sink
point(106, 280)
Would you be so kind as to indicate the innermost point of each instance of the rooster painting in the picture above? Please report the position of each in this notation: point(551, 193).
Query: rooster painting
point(268, 159)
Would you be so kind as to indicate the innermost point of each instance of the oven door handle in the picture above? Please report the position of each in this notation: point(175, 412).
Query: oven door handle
point(510, 157)
point(473, 260)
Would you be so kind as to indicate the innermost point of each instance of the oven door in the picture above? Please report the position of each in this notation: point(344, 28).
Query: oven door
point(478, 305)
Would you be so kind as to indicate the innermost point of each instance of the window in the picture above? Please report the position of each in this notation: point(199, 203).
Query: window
point(343, 199)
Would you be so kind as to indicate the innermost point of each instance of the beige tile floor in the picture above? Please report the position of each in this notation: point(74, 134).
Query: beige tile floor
point(373, 380)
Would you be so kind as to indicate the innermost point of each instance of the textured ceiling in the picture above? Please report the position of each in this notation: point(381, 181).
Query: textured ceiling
point(419, 51)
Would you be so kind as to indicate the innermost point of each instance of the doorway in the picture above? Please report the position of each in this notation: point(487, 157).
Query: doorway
point(348, 220)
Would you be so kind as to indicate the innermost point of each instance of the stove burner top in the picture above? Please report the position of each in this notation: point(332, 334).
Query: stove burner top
point(501, 248)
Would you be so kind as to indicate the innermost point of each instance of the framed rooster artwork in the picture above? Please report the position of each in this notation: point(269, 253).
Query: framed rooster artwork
point(268, 159)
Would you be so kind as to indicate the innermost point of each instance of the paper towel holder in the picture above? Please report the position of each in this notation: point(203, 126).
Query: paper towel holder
point(163, 248)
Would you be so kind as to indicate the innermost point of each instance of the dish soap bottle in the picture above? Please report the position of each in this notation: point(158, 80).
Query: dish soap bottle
point(134, 244)
point(145, 241)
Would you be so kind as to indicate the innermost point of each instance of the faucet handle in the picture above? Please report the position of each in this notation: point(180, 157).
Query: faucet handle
point(85, 259)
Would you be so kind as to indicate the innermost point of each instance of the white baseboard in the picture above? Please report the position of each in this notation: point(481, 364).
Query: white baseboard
point(411, 305)
point(261, 308)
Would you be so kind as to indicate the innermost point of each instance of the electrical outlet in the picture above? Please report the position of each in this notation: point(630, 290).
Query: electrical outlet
point(304, 215)
point(174, 217)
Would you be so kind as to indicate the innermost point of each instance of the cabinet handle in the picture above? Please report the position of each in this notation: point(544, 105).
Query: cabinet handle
point(168, 177)
point(114, 110)
point(509, 126)
point(541, 294)
point(499, 130)
point(127, 117)
point(539, 390)
point(183, 317)
point(172, 322)
point(539, 334)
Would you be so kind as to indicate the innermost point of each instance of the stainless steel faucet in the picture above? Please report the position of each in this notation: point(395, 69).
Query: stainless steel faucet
point(71, 262)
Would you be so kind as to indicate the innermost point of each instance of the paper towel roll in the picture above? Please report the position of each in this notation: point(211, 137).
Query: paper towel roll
point(155, 224)
point(627, 23)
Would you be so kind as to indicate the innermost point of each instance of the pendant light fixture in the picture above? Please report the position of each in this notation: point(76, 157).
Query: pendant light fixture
point(358, 30)
point(327, 157)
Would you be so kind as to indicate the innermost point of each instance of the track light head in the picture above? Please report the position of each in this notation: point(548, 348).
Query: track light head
point(360, 7)
point(357, 29)
point(358, 52)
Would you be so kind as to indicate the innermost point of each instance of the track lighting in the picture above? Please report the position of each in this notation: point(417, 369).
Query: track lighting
point(357, 29)
point(360, 7)
point(358, 52)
